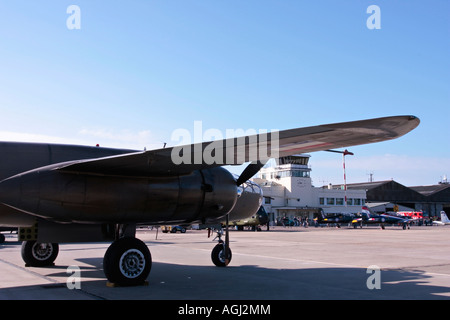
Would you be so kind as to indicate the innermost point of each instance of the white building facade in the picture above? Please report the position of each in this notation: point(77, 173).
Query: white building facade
point(288, 192)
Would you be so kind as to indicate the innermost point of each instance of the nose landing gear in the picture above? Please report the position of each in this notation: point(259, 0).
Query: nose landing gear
point(221, 253)
point(218, 254)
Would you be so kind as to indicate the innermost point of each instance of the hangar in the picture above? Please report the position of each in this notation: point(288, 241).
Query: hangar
point(430, 199)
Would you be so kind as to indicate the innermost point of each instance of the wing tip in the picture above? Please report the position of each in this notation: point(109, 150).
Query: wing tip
point(412, 122)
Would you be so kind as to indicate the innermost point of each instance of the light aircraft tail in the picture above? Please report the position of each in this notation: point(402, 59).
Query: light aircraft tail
point(365, 212)
point(444, 218)
point(319, 217)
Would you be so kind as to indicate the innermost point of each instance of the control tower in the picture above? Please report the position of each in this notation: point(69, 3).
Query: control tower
point(288, 191)
point(293, 172)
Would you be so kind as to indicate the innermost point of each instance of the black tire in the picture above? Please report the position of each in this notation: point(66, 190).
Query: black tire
point(218, 255)
point(127, 262)
point(39, 254)
point(2, 238)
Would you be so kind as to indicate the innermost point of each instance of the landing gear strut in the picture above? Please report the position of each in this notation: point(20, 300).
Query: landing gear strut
point(127, 261)
point(218, 256)
point(221, 253)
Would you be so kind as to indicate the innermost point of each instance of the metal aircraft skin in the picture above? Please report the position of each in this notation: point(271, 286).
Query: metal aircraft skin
point(337, 219)
point(444, 220)
point(257, 219)
point(64, 193)
point(369, 217)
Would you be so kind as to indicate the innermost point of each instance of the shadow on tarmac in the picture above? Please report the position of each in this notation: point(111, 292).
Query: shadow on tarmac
point(246, 282)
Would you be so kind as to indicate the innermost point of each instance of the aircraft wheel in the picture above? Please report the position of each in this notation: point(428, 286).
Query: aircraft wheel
point(127, 262)
point(2, 238)
point(39, 254)
point(218, 255)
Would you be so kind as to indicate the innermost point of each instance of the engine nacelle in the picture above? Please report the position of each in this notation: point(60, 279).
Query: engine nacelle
point(250, 197)
point(88, 198)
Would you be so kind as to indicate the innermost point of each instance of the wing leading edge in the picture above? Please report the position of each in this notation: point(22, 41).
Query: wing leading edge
point(254, 148)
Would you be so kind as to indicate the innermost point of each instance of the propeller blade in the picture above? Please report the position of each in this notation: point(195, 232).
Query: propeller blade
point(249, 172)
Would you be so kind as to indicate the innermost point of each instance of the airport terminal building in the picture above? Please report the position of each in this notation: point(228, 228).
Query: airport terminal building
point(288, 192)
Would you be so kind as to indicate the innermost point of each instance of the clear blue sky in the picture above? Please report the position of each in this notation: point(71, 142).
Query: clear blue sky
point(138, 70)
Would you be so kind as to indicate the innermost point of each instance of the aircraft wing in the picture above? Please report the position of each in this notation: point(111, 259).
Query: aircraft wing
point(255, 148)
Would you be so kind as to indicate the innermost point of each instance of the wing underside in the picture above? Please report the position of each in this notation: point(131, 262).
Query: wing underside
point(255, 148)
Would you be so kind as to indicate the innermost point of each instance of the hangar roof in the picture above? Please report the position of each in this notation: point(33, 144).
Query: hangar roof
point(390, 190)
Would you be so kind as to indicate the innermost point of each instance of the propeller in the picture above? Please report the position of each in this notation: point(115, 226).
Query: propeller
point(250, 171)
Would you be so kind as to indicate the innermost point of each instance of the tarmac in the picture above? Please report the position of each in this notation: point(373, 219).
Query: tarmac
point(294, 263)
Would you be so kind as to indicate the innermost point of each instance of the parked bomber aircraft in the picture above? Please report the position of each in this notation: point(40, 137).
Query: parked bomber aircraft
point(65, 193)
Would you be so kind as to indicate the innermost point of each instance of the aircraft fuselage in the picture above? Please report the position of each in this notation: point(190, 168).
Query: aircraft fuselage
point(42, 190)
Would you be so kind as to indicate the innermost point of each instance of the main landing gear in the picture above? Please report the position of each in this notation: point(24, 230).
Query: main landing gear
point(36, 254)
point(127, 261)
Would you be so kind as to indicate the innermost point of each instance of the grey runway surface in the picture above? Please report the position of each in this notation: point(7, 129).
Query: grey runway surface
point(281, 264)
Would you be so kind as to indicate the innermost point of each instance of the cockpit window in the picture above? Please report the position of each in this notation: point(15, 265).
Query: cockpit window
point(248, 186)
point(239, 191)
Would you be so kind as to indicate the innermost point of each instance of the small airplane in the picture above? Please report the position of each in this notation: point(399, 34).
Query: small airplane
point(337, 219)
point(369, 217)
point(444, 219)
point(64, 193)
